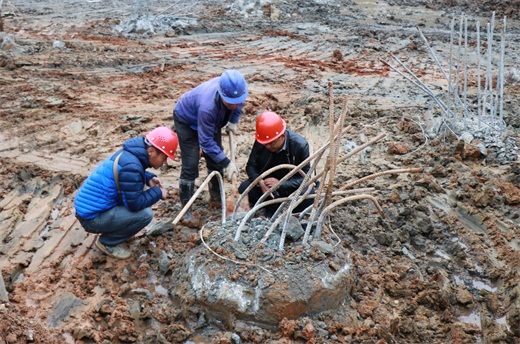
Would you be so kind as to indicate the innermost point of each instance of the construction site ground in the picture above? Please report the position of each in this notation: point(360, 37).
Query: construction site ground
point(442, 267)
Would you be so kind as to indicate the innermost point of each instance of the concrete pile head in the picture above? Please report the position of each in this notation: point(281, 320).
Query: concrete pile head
point(255, 283)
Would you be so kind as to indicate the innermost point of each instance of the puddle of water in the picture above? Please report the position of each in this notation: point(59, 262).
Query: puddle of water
point(473, 319)
point(502, 321)
point(481, 285)
point(442, 254)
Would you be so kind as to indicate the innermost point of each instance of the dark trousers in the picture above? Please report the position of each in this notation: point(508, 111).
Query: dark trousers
point(118, 224)
point(256, 192)
point(190, 150)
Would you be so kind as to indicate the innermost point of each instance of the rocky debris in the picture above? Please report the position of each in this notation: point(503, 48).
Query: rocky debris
point(397, 148)
point(7, 41)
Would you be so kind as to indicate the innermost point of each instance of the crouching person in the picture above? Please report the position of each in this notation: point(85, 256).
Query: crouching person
point(275, 145)
point(113, 201)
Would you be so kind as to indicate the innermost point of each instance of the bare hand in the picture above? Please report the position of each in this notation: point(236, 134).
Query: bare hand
point(265, 187)
point(164, 194)
point(270, 182)
point(155, 181)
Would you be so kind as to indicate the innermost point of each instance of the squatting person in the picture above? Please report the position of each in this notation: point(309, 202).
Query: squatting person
point(114, 202)
point(275, 145)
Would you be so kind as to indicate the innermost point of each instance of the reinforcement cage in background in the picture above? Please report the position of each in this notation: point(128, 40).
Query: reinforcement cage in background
point(483, 114)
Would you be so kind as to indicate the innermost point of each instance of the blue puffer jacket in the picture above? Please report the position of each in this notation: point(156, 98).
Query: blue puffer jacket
point(99, 192)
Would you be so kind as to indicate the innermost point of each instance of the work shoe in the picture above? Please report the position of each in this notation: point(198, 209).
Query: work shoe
point(113, 251)
point(186, 191)
point(190, 221)
point(160, 227)
point(214, 194)
point(215, 204)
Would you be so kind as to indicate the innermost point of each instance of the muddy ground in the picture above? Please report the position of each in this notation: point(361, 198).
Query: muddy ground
point(442, 267)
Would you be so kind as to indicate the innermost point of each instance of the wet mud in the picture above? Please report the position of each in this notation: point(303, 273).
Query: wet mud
point(443, 266)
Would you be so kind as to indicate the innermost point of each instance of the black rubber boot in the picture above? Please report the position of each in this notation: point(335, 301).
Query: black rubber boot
point(186, 190)
point(214, 194)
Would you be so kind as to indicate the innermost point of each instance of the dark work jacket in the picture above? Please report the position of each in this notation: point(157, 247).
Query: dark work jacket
point(261, 159)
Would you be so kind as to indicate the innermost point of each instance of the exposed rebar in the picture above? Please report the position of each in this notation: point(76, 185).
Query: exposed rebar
point(197, 193)
point(457, 115)
point(260, 177)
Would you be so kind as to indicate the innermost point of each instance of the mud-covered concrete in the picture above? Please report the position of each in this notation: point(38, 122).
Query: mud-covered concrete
point(253, 282)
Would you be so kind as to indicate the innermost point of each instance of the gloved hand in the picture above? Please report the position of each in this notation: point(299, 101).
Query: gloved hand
point(232, 127)
point(230, 170)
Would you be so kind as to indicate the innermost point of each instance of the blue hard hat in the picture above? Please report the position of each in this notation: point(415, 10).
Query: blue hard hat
point(232, 87)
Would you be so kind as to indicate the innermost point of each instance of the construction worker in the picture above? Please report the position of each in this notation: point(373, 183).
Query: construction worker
point(199, 116)
point(275, 145)
point(114, 202)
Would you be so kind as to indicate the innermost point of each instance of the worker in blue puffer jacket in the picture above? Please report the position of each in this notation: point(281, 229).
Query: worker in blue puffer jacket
point(116, 204)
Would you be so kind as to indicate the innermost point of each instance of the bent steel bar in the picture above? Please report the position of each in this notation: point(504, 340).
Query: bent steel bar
point(197, 193)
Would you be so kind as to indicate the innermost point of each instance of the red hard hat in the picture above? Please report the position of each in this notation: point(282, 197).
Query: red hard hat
point(269, 127)
point(164, 139)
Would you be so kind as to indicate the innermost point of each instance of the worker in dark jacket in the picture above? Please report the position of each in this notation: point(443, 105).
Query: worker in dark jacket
point(275, 145)
point(199, 116)
point(116, 205)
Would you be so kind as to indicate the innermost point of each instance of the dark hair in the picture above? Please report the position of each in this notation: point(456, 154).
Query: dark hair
point(147, 145)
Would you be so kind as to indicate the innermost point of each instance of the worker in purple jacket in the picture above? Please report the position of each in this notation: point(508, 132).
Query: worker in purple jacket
point(199, 116)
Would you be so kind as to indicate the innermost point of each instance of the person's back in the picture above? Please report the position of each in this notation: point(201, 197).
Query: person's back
point(99, 191)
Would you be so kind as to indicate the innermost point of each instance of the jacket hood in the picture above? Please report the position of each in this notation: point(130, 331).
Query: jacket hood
point(137, 147)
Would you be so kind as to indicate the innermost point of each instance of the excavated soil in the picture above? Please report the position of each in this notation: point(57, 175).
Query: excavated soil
point(443, 266)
